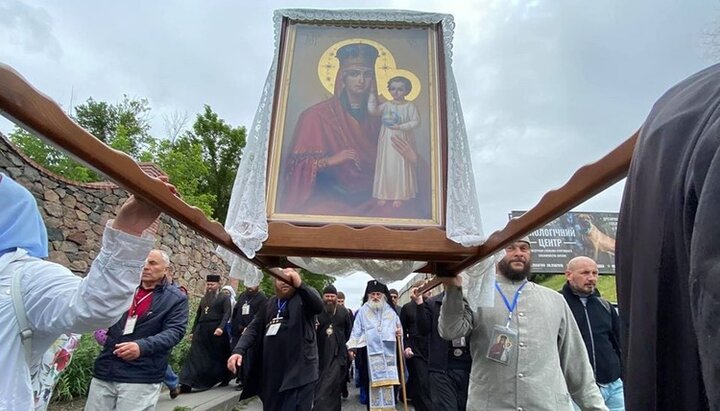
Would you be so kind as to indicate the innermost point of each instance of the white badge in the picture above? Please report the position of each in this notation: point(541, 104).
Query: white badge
point(273, 329)
point(458, 342)
point(245, 309)
point(130, 325)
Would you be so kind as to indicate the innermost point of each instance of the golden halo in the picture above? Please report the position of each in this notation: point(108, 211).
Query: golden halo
point(383, 89)
point(328, 64)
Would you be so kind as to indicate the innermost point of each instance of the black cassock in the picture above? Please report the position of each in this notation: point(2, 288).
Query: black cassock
point(333, 332)
point(206, 364)
point(246, 307)
point(285, 367)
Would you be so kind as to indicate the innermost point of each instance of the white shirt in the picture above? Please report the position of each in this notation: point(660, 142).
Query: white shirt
point(57, 301)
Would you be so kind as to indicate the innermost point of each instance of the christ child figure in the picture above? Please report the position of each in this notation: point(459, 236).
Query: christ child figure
point(395, 177)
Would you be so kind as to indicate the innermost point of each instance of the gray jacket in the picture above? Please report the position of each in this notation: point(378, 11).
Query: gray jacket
point(548, 365)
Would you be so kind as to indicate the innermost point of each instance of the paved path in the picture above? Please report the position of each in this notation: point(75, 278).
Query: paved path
point(226, 399)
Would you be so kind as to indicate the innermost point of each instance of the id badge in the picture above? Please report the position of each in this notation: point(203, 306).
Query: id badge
point(245, 309)
point(459, 342)
point(273, 328)
point(130, 325)
point(503, 345)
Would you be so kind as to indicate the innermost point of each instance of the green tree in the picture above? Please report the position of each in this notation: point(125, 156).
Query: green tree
point(222, 147)
point(50, 158)
point(183, 162)
point(124, 125)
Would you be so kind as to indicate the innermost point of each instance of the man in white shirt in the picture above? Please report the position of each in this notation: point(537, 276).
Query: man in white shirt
point(55, 300)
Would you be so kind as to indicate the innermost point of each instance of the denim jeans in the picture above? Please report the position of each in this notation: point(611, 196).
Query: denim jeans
point(612, 394)
point(171, 379)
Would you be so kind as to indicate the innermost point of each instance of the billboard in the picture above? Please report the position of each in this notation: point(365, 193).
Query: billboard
point(573, 234)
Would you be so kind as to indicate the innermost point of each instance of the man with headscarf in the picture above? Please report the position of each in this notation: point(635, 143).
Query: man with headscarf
point(286, 366)
point(668, 259)
point(249, 303)
point(331, 164)
point(53, 299)
point(130, 369)
point(210, 348)
point(334, 327)
point(373, 345)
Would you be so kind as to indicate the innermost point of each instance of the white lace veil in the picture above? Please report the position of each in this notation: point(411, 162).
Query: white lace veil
point(247, 220)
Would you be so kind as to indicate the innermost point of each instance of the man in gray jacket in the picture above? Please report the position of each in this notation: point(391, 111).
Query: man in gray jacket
point(527, 351)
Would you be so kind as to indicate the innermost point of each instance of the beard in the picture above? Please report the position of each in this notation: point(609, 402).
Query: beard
point(208, 298)
point(513, 274)
point(376, 305)
point(330, 307)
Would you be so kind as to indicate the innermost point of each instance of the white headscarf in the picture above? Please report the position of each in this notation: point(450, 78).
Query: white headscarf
point(233, 297)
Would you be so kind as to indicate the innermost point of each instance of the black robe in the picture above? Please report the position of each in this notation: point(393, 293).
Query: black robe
point(206, 364)
point(240, 321)
point(286, 364)
point(668, 259)
point(333, 358)
point(418, 377)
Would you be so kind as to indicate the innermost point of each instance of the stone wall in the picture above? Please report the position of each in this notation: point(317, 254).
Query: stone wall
point(75, 215)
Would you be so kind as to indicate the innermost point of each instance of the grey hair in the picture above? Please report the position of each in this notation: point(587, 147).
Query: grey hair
point(165, 257)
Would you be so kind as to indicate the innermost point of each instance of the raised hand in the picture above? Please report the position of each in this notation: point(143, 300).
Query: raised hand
point(135, 215)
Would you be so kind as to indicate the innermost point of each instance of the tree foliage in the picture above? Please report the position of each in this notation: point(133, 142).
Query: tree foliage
point(222, 147)
point(50, 158)
point(124, 126)
point(200, 162)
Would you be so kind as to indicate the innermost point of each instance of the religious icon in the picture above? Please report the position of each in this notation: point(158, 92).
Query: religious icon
point(357, 130)
point(501, 345)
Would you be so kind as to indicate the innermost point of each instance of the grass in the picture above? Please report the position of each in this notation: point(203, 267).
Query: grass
point(606, 285)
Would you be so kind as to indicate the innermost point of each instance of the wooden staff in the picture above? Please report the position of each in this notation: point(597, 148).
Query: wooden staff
point(37, 113)
point(402, 370)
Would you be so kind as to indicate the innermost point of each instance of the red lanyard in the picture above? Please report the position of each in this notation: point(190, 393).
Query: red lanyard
point(135, 304)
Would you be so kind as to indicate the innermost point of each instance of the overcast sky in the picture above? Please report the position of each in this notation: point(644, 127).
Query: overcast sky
point(546, 86)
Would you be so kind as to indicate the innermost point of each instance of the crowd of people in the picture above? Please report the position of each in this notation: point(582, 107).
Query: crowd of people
point(535, 349)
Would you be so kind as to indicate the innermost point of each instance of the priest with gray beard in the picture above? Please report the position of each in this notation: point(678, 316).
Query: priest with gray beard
point(334, 327)
point(373, 344)
point(205, 364)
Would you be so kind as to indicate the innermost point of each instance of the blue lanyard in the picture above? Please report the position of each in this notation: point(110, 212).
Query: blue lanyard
point(280, 307)
point(510, 307)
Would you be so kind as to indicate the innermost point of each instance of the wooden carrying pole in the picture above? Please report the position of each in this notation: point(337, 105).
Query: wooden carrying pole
point(401, 358)
point(37, 113)
point(585, 183)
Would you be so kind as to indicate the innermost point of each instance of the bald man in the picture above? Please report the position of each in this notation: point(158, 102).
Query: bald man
point(599, 326)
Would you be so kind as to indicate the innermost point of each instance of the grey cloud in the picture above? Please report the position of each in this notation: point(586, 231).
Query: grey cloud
point(29, 28)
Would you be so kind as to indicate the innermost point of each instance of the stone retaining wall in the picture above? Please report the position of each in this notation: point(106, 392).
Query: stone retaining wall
point(75, 215)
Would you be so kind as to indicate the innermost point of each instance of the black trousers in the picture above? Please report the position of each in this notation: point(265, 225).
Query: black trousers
point(296, 399)
point(449, 389)
point(420, 392)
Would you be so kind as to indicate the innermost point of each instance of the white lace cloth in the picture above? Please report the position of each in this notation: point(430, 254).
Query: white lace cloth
point(247, 219)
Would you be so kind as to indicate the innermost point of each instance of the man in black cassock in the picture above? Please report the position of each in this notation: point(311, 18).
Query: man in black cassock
point(249, 303)
point(334, 327)
point(205, 364)
point(286, 366)
point(416, 353)
point(668, 259)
